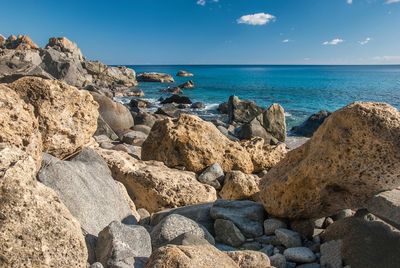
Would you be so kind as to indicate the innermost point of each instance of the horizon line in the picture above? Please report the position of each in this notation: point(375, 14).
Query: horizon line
point(255, 64)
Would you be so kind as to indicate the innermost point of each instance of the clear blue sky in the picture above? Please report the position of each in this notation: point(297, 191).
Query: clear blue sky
point(215, 31)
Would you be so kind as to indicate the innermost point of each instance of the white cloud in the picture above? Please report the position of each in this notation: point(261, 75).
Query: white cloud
point(387, 59)
point(286, 41)
point(256, 19)
point(204, 2)
point(392, 1)
point(349, 2)
point(365, 41)
point(333, 42)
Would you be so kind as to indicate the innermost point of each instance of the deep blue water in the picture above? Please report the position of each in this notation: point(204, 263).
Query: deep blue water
point(301, 90)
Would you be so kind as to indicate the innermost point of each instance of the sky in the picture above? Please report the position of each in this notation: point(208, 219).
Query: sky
point(215, 31)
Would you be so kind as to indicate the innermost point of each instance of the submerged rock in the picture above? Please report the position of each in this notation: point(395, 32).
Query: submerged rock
point(352, 156)
point(311, 125)
point(155, 77)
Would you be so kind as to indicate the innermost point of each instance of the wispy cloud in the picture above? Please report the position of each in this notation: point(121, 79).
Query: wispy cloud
point(286, 41)
point(365, 41)
point(349, 2)
point(387, 59)
point(333, 42)
point(256, 19)
point(204, 2)
point(392, 1)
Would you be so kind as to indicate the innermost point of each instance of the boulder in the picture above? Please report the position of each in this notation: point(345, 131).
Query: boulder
point(21, 42)
point(223, 108)
point(67, 116)
point(213, 175)
point(386, 205)
point(183, 73)
point(115, 114)
point(300, 255)
point(2, 41)
point(188, 239)
point(121, 245)
point(169, 110)
point(331, 254)
point(187, 84)
point(18, 125)
point(199, 256)
point(104, 129)
point(226, 232)
point(195, 144)
point(365, 243)
point(311, 125)
point(135, 138)
point(352, 156)
point(239, 185)
point(248, 216)
point(139, 104)
point(250, 259)
point(155, 77)
point(198, 105)
point(131, 205)
point(95, 206)
point(255, 128)
point(36, 229)
point(288, 238)
point(278, 261)
point(174, 225)
point(133, 92)
point(142, 128)
point(154, 186)
point(271, 225)
point(177, 99)
point(63, 44)
point(274, 121)
point(242, 111)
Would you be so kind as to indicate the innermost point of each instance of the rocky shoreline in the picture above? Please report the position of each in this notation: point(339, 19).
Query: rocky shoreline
point(86, 181)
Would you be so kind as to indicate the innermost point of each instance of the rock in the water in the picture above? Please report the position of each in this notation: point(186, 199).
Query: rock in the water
point(227, 233)
point(366, 243)
point(213, 175)
point(174, 225)
point(274, 121)
point(331, 254)
point(248, 216)
point(242, 111)
point(199, 256)
point(352, 156)
point(386, 205)
point(84, 184)
point(177, 99)
point(311, 125)
point(154, 186)
point(187, 84)
point(239, 185)
point(121, 246)
point(198, 105)
point(250, 259)
point(288, 238)
point(18, 125)
point(195, 144)
point(36, 229)
point(270, 225)
point(155, 77)
point(300, 254)
point(67, 116)
point(183, 73)
point(223, 108)
point(115, 114)
point(139, 104)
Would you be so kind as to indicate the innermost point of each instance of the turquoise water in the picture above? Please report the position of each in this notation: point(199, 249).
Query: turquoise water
point(301, 90)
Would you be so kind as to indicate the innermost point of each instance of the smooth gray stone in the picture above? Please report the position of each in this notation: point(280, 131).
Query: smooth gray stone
point(288, 238)
point(227, 233)
point(299, 254)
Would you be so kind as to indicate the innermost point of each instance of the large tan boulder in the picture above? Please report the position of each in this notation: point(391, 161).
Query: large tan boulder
point(18, 125)
point(238, 185)
point(199, 256)
point(36, 229)
point(195, 144)
point(67, 116)
point(153, 186)
point(352, 156)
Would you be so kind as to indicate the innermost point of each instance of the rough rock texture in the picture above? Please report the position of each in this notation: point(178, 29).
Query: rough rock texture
point(195, 144)
point(226, 232)
point(18, 125)
point(190, 256)
point(299, 254)
point(115, 114)
point(67, 116)
point(242, 111)
point(386, 205)
point(249, 259)
point(188, 239)
point(121, 246)
point(311, 125)
point(213, 175)
point(155, 77)
point(239, 185)
point(20, 42)
point(177, 99)
point(352, 156)
point(255, 128)
point(36, 229)
point(274, 121)
point(154, 186)
point(128, 200)
point(331, 254)
point(174, 225)
point(86, 187)
point(366, 243)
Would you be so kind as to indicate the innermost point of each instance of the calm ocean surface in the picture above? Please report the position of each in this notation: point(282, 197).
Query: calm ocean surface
point(301, 90)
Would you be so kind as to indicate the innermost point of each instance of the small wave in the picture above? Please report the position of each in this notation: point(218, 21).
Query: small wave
point(287, 114)
point(211, 106)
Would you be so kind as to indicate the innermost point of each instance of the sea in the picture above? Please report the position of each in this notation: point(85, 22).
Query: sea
point(301, 89)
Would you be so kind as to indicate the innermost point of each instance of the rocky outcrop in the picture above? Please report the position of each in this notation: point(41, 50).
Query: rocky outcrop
point(36, 229)
point(351, 157)
point(18, 125)
point(242, 111)
point(177, 99)
point(183, 73)
point(154, 186)
point(20, 42)
point(195, 144)
point(155, 77)
point(199, 256)
point(274, 121)
point(311, 125)
point(115, 114)
point(63, 44)
point(238, 185)
point(67, 116)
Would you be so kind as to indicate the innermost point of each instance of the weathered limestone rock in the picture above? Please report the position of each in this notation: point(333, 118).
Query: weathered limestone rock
point(242, 111)
point(190, 256)
point(155, 77)
point(352, 156)
point(67, 116)
point(239, 185)
point(36, 229)
point(154, 186)
point(386, 205)
point(274, 121)
point(195, 144)
point(18, 125)
point(249, 259)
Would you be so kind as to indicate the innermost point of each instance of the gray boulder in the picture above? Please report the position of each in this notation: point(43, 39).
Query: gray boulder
point(242, 111)
point(189, 239)
point(311, 125)
point(213, 175)
point(386, 205)
point(227, 233)
point(299, 255)
point(274, 121)
point(288, 238)
point(331, 254)
point(270, 225)
point(122, 246)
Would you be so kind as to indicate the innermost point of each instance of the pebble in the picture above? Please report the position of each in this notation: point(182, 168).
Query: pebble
point(299, 254)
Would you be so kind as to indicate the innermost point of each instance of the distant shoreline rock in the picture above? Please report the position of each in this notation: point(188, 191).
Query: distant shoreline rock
point(183, 73)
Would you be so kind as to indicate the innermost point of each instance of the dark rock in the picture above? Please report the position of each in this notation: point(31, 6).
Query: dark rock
point(187, 84)
point(139, 104)
point(242, 111)
point(300, 255)
point(198, 105)
point(331, 254)
point(144, 118)
point(254, 128)
point(177, 99)
point(187, 239)
point(120, 246)
point(168, 110)
point(278, 261)
point(213, 175)
point(288, 238)
point(155, 77)
point(226, 232)
point(223, 108)
point(270, 225)
point(311, 125)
